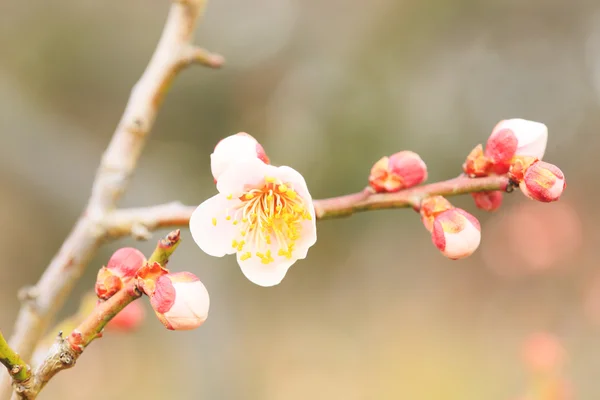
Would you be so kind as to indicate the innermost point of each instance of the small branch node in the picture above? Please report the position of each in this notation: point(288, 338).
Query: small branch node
point(28, 295)
point(196, 55)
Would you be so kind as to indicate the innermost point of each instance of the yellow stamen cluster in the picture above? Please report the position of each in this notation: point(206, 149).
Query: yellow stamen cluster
point(270, 215)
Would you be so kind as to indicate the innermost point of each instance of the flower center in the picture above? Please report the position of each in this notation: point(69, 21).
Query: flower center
point(270, 217)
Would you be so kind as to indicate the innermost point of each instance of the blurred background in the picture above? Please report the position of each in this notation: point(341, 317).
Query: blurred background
point(328, 87)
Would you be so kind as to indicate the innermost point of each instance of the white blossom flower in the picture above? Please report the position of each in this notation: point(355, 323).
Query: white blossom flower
point(262, 213)
point(233, 149)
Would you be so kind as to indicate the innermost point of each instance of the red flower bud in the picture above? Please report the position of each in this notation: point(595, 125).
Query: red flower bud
point(126, 262)
point(121, 267)
point(399, 171)
point(107, 284)
point(180, 301)
point(456, 233)
point(128, 319)
point(515, 137)
point(543, 182)
point(476, 163)
point(431, 207)
point(488, 201)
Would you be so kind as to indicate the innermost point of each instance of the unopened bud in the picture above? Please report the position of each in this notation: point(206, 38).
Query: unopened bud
point(233, 149)
point(121, 267)
point(477, 164)
point(543, 182)
point(398, 171)
point(107, 284)
point(431, 207)
point(180, 301)
point(456, 233)
point(126, 262)
point(515, 137)
point(128, 319)
point(488, 201)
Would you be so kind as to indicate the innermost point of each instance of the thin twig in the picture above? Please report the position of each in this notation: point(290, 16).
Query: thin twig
point(118, 163)
point(128, 221)
point(16, 367)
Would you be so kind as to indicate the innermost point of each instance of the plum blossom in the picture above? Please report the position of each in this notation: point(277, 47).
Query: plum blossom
point(233, 149)
point(399, 171)
point(121, 267)
point(180, 301)
point(456, 233)
point(515, 137)
point(543, 182)
point(264, 214)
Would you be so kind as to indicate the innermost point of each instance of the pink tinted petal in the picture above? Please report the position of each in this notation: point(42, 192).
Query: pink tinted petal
point(290, 175)
point(265, 274)
point(532, 136)
point(210, 229)
point(190, 308)
point(164, 295)
point(242, 176)
point(231, 150)
point(308, 237)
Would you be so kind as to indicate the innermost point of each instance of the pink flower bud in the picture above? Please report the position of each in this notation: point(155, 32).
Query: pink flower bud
point(543, 182)
point(488, 201)
point(126, 262)
point(180, 301)
point(476, 163)
point(233, 149)
point(456, 233)
point(399, 171)
point(431, 207)
point(122, 266)
point(128, 319)
point(515, 137)
point(107, 284)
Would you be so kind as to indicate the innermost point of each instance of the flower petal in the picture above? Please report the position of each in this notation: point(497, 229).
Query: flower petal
point(210, 229)
point(290, 175)
point(265, 274)
point(231, 150)
point(532, 136)
point(243, 175)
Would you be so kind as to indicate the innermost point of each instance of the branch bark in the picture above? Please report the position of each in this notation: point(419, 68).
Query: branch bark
point(173, 52)
point(132, 221)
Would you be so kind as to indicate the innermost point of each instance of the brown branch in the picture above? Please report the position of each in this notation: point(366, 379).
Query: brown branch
point(172, 53)
point(63, 354)
point(131, 221)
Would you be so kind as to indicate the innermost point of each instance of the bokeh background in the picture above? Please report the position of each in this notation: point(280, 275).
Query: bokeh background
point(328, 87)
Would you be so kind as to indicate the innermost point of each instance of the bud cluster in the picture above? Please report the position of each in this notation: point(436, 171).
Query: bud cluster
point(179, 300)
point(455, 232)
point(514, 149)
